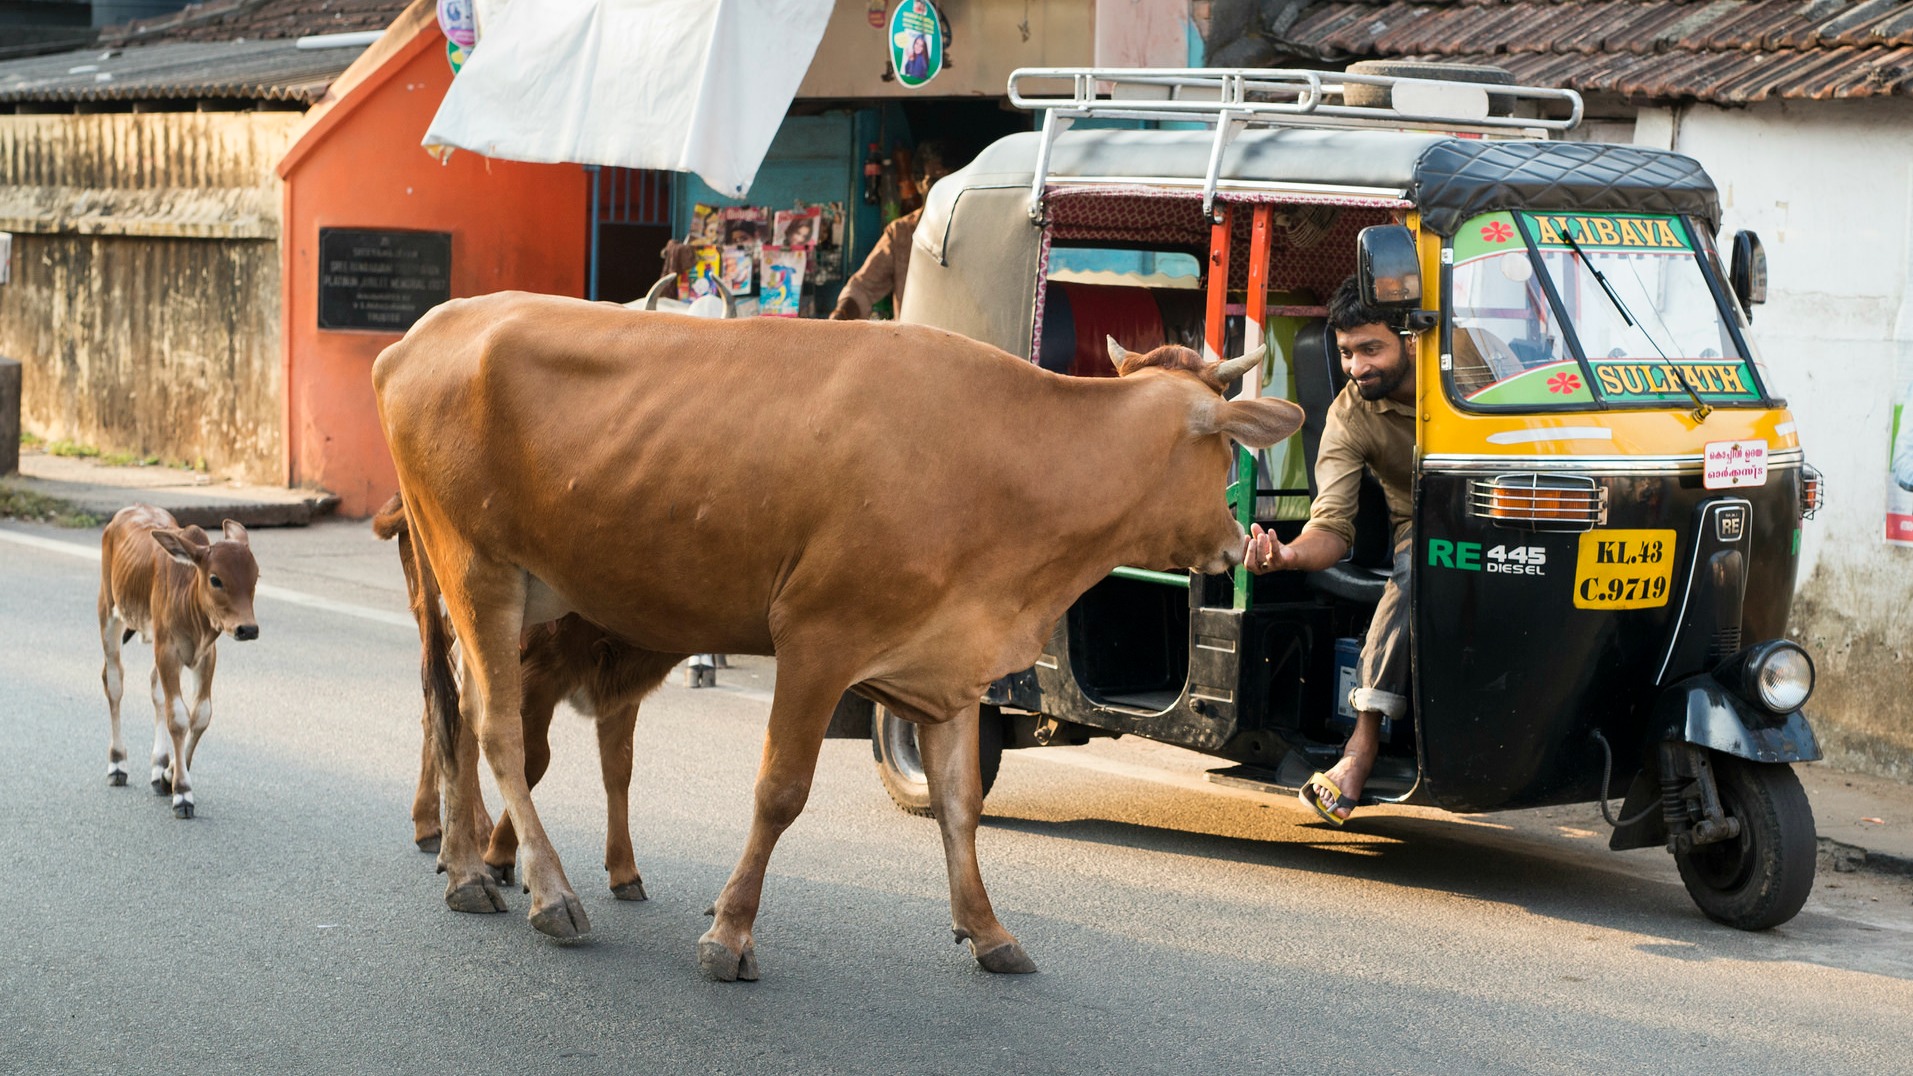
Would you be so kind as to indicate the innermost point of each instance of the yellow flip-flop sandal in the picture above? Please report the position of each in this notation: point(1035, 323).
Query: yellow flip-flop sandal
point(1307, 795)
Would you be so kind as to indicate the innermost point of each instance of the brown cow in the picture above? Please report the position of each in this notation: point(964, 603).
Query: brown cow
point(888, 507)
point(179, 591)
point(570, 659)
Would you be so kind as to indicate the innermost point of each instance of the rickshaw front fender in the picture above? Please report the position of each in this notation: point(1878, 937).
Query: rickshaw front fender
point(1702, 711)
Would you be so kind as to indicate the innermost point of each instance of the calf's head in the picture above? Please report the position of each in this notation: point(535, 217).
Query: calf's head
point(1189, 507)
point(225, 575)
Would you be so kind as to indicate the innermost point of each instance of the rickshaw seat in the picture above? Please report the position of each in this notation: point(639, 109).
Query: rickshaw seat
point(1318, 379)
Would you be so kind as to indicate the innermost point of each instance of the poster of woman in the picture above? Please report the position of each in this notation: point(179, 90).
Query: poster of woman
point(916, 42)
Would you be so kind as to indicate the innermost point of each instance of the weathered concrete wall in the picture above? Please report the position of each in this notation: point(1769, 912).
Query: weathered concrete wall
point(1829, 188)
point(144, 300)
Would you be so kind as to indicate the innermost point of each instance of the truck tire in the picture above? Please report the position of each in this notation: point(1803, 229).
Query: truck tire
point(900, 767)
point(1365, 96)
point(1762, 877)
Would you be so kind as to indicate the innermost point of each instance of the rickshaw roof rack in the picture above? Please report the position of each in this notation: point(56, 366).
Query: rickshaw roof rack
point(1231, 100)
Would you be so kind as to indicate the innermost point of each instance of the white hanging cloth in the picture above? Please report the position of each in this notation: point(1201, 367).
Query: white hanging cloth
point(686, 85)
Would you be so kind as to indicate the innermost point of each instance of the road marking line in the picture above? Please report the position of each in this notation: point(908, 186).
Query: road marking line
point(311, 601)
point(284, 594)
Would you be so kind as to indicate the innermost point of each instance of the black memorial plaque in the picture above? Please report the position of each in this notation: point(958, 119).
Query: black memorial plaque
point(383, 281)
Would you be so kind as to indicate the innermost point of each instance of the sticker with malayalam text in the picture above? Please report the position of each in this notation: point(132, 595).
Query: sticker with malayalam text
point(1731, 464)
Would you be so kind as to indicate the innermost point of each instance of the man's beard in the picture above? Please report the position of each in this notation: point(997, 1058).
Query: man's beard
point(1385, 385)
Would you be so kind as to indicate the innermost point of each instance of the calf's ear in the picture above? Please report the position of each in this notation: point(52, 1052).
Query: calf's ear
point(234, 532)
point(1255, 423)
point(177, 547)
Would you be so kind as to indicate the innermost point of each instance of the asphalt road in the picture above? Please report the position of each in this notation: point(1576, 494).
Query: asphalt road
point(1179, 926)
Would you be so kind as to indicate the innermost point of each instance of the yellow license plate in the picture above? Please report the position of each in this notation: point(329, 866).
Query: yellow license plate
point(1617, 569)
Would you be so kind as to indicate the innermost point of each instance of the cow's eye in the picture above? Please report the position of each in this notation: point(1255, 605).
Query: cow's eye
point(217, 585)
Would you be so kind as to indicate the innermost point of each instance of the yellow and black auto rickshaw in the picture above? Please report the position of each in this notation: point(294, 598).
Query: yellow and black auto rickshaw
point(1608, 498)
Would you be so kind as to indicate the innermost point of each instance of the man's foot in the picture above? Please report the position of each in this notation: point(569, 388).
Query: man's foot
point(1335, 793)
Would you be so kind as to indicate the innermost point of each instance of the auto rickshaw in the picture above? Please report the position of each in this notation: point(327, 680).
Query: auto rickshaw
point(1608, 498)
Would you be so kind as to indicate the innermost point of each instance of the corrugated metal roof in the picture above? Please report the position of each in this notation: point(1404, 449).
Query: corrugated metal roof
point(1726, 51)
point(254, 70)
point(252, 20)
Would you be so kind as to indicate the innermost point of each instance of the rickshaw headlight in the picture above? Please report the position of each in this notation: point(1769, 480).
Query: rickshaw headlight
point(1780, 675)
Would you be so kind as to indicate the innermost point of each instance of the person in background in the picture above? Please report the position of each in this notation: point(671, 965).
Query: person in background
point(883, 272)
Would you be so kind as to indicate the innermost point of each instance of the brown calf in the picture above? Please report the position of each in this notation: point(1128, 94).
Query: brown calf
point(568, 659)
point(180, 591)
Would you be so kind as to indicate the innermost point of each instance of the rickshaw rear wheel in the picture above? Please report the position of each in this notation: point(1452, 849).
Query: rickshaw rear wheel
point(1761, 878)
point(900, 765)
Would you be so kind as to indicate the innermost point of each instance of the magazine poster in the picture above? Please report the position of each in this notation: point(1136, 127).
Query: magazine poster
point(827, 257)
point(706, 267)
point(738, 268)
point(745, 225)
point(1899, 469)
point(707, 224)
point(797, 227)
point(781, 286)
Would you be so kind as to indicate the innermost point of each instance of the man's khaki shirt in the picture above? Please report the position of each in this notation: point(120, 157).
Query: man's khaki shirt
point(1358, 433)
point(885, 270)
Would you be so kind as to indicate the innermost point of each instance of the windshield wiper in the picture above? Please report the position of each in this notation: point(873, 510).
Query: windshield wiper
point(1701, 407)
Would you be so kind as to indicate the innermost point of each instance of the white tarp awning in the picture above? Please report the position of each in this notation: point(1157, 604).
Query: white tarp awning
point(688, 85)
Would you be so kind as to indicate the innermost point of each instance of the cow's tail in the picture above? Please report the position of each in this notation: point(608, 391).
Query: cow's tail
point(435, 640)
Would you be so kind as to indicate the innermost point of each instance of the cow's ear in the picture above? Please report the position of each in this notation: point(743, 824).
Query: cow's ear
point(177, 547)
point(234, 532)
point(1256, 423)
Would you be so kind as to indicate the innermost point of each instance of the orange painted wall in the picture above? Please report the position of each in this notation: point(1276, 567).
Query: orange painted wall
point(360, 165)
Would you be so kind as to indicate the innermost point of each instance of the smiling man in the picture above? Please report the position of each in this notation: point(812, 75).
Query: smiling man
point(1370, 425)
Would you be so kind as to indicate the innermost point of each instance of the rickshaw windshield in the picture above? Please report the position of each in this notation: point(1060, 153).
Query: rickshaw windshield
point(1584, 311)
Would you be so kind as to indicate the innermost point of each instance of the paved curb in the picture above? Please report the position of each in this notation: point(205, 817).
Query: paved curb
point(102, 491)
point(1843, 858)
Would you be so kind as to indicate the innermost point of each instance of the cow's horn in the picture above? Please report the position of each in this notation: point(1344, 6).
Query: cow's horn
point(651, 297)
point(730, 301)
point(1116, 353)
point(1229, 369)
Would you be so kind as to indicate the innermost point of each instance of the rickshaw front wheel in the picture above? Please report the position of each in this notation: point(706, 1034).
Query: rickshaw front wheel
point(1761, 878)
point(900, 765)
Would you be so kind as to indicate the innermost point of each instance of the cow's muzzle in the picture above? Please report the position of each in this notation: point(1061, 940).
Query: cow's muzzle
point(245, 632)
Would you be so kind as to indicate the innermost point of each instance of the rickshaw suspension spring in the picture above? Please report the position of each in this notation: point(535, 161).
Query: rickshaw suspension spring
point(1607, 773)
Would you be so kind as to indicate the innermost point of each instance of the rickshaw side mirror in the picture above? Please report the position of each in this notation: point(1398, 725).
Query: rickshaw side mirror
point(1389, 266)
point(1748, 274)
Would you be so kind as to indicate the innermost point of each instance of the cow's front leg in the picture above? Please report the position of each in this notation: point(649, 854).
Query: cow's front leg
point(799, 714)
point(177, 728)
point(113, 678)
point(202, 712)
point(949, 751)
point(162, 737)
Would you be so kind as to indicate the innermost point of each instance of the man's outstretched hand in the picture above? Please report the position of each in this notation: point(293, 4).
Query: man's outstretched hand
point(1265, 553)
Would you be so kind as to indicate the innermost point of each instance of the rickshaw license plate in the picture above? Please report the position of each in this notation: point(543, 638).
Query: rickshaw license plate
point(1617, 569)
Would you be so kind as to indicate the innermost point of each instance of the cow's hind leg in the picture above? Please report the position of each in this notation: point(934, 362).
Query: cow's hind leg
point(614, 761)
point(800, 712)
point(949, 751)
point(426, 832)
point(538, 708)
point(113, 678)
point(487, 604)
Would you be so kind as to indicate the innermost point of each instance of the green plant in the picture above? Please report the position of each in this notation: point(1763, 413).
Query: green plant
point(39, 508)
point(73, 449)
point(29, 439)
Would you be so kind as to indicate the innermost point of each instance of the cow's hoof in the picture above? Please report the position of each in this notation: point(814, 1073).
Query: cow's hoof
point(563, 919)
point(429, 844)
point(502, 875)
point(724, 966)
point(182, 808)
point(632, 890)
point(1006, 959)
point(162, 786)
point(480, 897)
point(117, 778)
